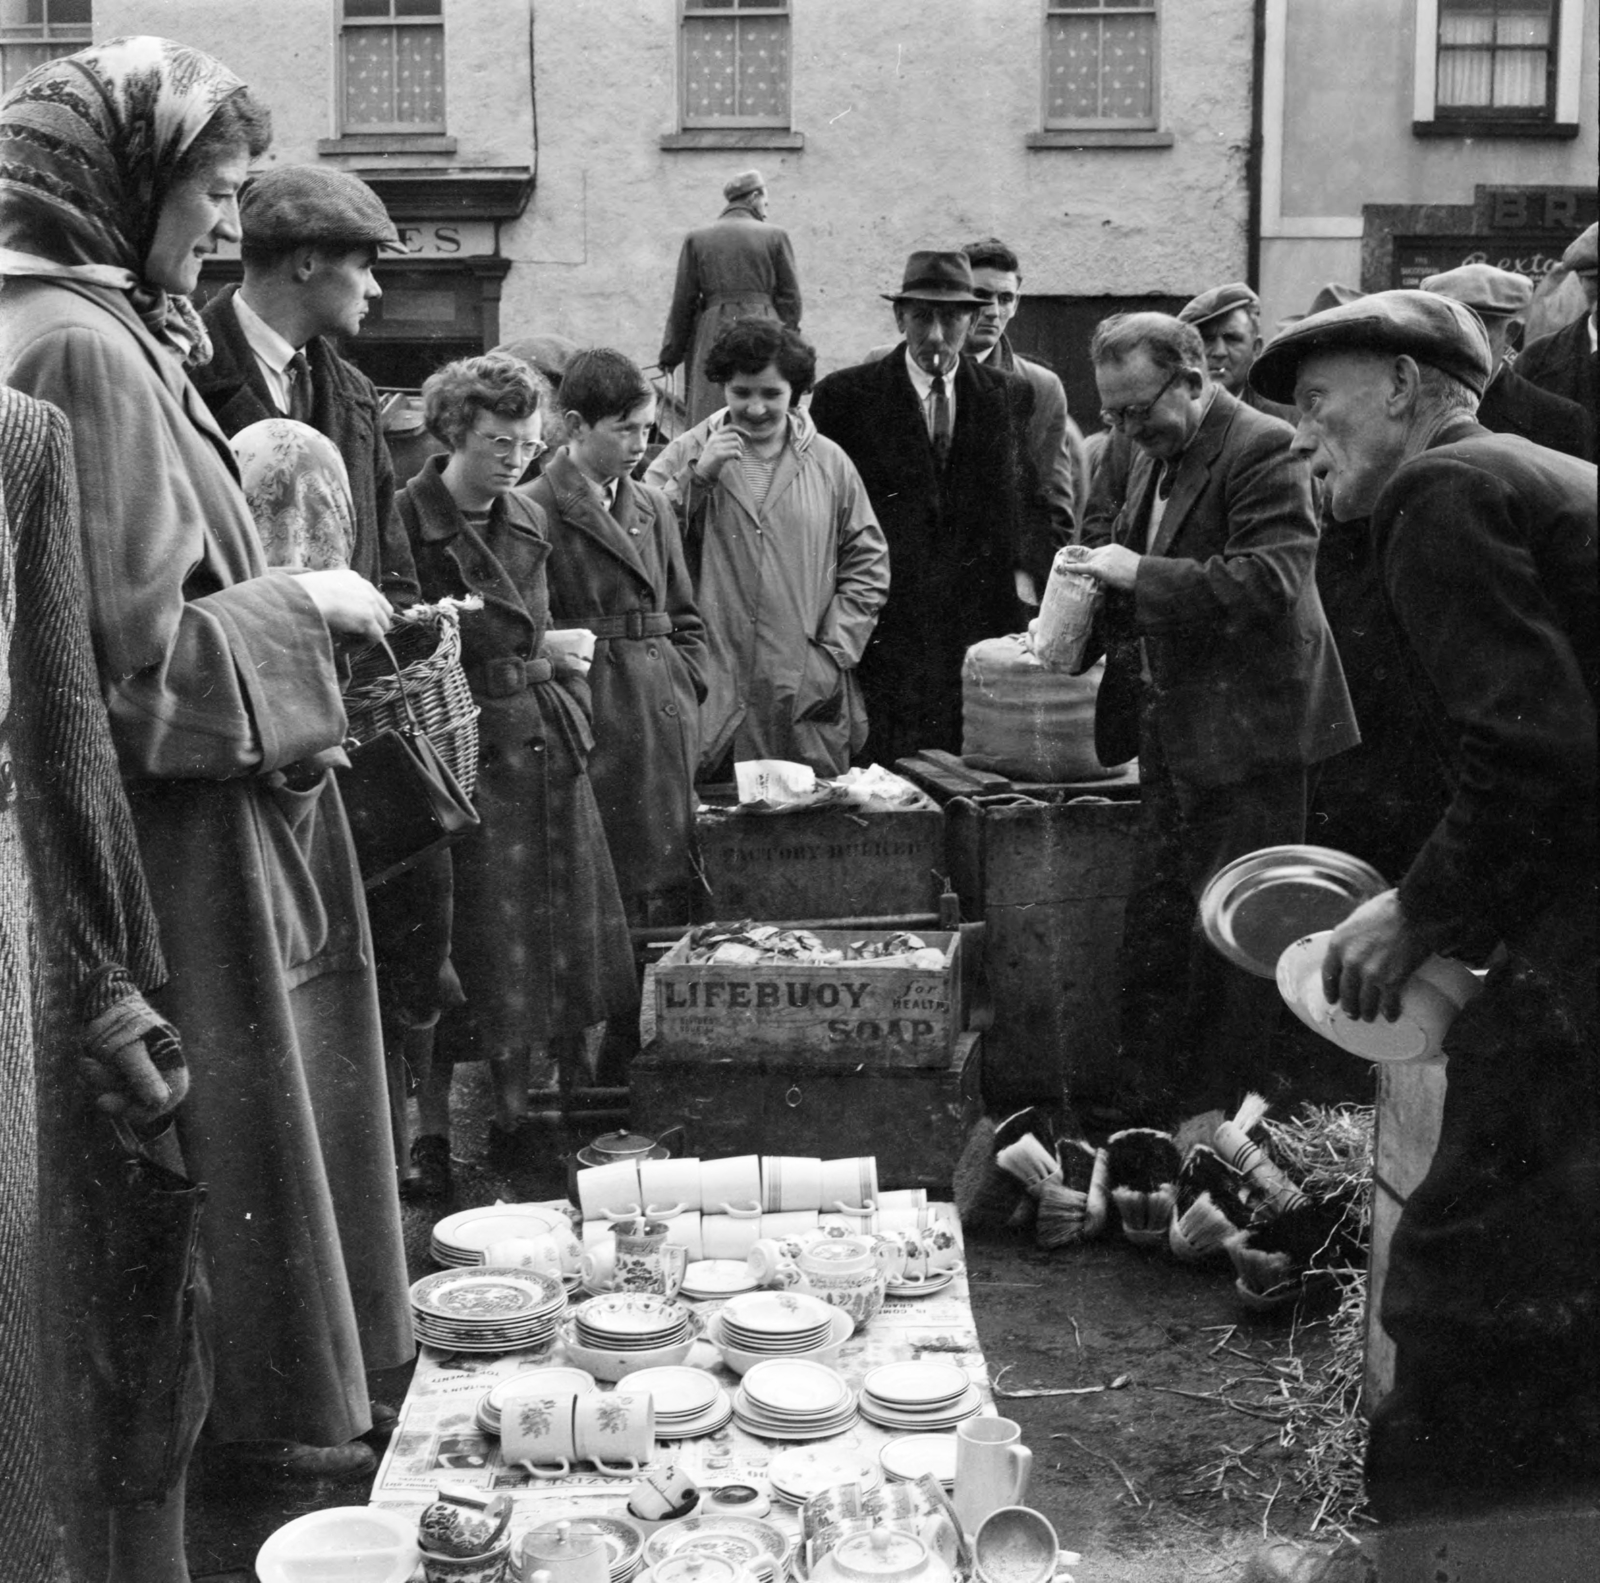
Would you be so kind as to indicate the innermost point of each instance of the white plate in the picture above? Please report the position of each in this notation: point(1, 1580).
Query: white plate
point(785, 1387)
point(364, 1544)
point(801, 1474)
point(555, 1377)
point(886, 1418)
point(765, 1431)
point(1428, 1005)
point(910, 1456)
point(718, 1278)
point(915, 1385)
point(742, 1540)
point(677, 1392)
point(777, 1314)
point(482, 1295)
point(715, 1416)
point(475, 1229)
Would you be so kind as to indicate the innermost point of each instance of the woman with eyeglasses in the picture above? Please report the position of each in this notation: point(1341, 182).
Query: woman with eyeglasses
point(538, 935)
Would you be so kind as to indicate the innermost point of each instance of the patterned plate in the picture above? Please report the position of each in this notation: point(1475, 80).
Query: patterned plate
point(632, 1318)
point(742, 1540)
point(494, 1296)
point(800, 1474)
point(769, 1314)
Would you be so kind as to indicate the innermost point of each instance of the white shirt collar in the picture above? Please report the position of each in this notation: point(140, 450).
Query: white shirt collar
point(922, 381)
point(264, 341)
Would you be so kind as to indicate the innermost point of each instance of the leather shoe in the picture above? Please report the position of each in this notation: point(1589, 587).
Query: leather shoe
point(429, 1176)
point(290, 1462)
point(511, 1148)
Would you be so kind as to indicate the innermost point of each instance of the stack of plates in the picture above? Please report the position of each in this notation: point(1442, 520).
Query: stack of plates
point(632, 1322)
point(487, 1309)
point(794, 1399)
point(923, 1288)
point(908, 1457)
point(919, 1395)
point(778, 1323)
point(688, 1402)
point(797, 1475)
point(554, 1378)
point(624, 1542)
point(711, 1278)
point(461, 1239)
point(752, 1545)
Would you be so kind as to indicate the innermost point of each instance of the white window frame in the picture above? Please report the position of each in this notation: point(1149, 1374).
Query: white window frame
point(1149, 123)
point(71, 36)
point(688, 15)
point(1569, 68)
point(345, 24)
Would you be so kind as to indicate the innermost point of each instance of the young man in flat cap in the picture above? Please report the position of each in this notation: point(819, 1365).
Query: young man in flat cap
point(1512, 404)
point(1229, 321)
point(1568, 361)
point(311, 236)
point(1484, 546)
point(941, 443)
point(738, 267)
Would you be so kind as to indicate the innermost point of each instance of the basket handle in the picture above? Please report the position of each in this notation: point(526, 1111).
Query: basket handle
point(405, 697)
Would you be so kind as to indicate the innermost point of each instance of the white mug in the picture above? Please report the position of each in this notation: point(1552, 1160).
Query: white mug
point(669, 1186)
point(731, 1186)
point(904, 1198)
point(850, 1184)
point(790, 1182)
point(992, 1468)
point(683, 1230)
point(599, 1267)
point(794, 1223)
point(610, 1191)
point(729, 1236)
point(616, 1430)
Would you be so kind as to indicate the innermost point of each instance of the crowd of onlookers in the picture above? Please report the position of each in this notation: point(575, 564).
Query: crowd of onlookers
point(1380, 620)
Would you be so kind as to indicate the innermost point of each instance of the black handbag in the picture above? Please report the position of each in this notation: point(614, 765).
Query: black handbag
point(400, 796)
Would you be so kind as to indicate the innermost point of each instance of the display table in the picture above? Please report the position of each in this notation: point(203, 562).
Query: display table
point(438, 1440)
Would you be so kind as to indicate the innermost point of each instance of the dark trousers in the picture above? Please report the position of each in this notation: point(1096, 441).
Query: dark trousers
point(1196, 1031)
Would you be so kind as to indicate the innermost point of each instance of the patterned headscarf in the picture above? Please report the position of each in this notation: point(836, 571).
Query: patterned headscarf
point(88, 149)
point(299, 494)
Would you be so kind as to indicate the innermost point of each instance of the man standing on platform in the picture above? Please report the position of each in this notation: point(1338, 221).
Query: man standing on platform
point(738, 267)
point(1512, 404)
point(1484, 547)
point(941, 443)
point(1222, 676)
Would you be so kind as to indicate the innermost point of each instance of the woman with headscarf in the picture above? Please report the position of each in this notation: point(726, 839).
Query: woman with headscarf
point(119, 169)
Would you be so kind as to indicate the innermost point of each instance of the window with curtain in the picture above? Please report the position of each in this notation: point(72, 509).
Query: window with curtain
point(391, 59)
point(1496, 57)
point(34, 31)
point(734, 63)
point(1100, 63)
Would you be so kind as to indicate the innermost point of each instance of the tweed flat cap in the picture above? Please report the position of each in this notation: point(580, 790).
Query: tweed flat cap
point(937, 277)
point(742, 185)
point(298, 204)
point(1218, 301)
point(1486, 290)
point(1582, 253)
point(1435, 330)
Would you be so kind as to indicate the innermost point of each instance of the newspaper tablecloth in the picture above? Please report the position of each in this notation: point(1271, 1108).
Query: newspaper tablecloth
point(438, 1440)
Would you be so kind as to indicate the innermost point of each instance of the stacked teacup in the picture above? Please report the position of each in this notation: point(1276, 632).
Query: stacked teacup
point(544, 1430)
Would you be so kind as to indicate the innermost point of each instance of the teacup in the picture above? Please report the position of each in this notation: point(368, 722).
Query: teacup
point(599, 1266)
point(525, 1253)
point(833, 1224)
point(616, 1430)
point(731, 1186)
point(790, 1182)
point(684, 1229)
point(850, 1184)
point(729, 1236)
point(610, 1191)
point(904, 1198)
point(663, 1494)
point(669, 1186)
point(771, 1263)
point(536, 1431)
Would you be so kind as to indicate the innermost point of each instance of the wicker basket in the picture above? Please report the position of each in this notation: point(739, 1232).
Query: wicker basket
point(427, 642)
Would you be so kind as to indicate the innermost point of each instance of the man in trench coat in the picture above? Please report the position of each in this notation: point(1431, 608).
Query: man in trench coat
point(738, 267)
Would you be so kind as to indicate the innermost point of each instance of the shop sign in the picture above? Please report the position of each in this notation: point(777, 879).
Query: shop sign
point(447, 238)
point(1417, 257)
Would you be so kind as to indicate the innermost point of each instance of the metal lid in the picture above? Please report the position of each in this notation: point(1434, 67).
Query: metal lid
point(622, 1145)
point(562, 1541)
point(697, 1566)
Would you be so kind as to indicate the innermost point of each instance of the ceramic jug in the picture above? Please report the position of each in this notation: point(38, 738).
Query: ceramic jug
point(992, 1468)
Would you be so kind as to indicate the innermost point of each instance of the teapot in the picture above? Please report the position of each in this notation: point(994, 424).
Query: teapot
point(614, 1148)
point(882, 1555)
point(846, 1272)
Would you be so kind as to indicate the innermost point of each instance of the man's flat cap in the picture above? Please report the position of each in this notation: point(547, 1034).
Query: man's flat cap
point(937, 277)
point(1438, 331)
point(1581, 254)
point(1218, 301)
point(1497, 293)
point(294, 205)
point(742, 185)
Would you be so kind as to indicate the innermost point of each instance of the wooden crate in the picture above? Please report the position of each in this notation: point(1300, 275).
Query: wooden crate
point(844, 1013)
point(915, 1120)
point(825, 863)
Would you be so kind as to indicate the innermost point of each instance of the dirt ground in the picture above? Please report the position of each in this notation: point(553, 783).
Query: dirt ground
point(1153, 1479)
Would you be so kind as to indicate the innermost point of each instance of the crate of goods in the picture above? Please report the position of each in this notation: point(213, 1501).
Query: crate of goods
point(903, 1009)
point(821, 863)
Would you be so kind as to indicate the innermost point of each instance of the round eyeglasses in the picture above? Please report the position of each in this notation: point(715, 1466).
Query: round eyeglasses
point(1137, 411)
point(506, 448)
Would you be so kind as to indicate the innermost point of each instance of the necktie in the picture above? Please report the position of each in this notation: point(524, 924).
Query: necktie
point(300, 388)
point(939, 420)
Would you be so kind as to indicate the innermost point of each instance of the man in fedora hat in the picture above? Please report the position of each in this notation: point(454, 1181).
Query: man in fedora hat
point(738, 267)
point(1567, 362)
point(1484, 548)
point(941, 443)
point(1512, 404)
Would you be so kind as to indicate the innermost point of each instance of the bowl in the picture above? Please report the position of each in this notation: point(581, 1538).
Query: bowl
point(1015, 1544)
point(614, 1366)
point(843, 1326)
point(490, 1567)
point(356, 1544)
point(1428, 1005)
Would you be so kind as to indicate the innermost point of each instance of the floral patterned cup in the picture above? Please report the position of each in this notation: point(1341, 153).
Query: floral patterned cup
point(616, 1430)
point(646, 1261)
point(536, 1431)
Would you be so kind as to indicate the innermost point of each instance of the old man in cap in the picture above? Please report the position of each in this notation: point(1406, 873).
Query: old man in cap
point(1512, 404)
point(1568, 361)
point(941, 443)
point(310, 238)
point(738, 267)
point(1484, 546)
point(1229, 321)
